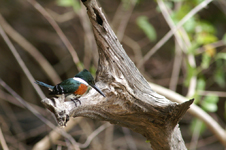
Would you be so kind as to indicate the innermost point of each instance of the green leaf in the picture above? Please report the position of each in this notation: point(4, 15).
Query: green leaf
point(201, 84)
point(190, 25)
point(210, 103)
point(192, 49)
point(204, 38)
point(147, 28)
point(211, 98)
point(65, 3)
point(209, 107)
point(219, 77)
point(206, 27)
point(221, 56)
point(190, 72)
point(69, 3)
point(205, 60)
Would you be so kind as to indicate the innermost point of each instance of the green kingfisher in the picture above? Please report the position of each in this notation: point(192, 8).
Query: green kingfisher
point(73, 88)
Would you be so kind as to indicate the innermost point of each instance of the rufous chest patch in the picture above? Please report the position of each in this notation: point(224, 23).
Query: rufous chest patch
point(81, 89)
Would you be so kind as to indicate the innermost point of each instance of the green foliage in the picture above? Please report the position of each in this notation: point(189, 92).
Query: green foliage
point(209, 103)
point(69, 3)
point(127, 3)
point(93, 70)
point(219, 76)
point(147, 28)
point(224, 38)
point(205, 38)
point(65, 3)
point(201, 84)
point(205, 61)
point(196, 123)
point(191, 71)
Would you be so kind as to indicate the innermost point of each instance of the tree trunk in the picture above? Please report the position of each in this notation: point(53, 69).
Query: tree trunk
point(129, 101)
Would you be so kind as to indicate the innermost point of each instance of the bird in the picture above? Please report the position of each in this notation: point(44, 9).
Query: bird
point(73, 88)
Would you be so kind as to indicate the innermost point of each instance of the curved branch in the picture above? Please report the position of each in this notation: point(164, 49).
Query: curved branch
point(195, 111)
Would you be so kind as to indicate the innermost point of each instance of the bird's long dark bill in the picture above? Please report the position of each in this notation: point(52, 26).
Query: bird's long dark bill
point(98, 90)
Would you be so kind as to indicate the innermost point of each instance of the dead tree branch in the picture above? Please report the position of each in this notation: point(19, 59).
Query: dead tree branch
point(129, 101)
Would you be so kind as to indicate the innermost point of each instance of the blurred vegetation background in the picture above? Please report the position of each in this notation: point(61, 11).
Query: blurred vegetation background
point(54, 40)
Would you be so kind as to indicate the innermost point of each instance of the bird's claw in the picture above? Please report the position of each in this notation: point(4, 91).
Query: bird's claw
point(74, 100)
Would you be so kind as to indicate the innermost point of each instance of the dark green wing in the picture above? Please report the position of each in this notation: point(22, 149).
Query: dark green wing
point(67, 87)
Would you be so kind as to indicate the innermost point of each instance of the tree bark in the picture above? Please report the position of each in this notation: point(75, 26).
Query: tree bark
point(129, 101)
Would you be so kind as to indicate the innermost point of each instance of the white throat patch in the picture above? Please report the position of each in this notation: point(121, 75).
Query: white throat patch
point(81, 80)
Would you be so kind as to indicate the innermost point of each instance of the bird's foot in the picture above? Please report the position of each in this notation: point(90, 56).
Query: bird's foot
point(75, 100)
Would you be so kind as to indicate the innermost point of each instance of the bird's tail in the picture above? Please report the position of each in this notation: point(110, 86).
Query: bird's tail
point(45, 85)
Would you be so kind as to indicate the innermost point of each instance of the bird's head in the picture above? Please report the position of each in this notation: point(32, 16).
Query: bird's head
point(86, 75)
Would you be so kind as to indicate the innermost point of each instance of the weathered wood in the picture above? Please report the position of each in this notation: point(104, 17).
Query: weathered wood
point(129, 101)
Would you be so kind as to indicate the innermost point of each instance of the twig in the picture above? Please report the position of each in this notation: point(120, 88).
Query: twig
point(59, 32)
point(195, 111)
point(134, 46)
point(124, 21)
point(21, 63)
point(94, 134)
point(195, 135)
point(171, 32)
point(108, 140)
point(218, 93)
point(214, 45)
point(183, 46)
point(45, 65)
point(129, 139)
point(90, 48)
point(2, 141)
point(176, 68)
point(61, 17)
point(204, 142)
point(54, 135)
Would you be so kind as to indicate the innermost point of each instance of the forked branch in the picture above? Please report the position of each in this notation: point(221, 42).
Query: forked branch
point(129, 101)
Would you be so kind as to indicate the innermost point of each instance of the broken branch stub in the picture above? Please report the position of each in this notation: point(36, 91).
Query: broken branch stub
point(129, 101)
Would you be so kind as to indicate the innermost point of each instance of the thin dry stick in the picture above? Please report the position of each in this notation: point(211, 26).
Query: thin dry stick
point(183, 45)
point(54, 135)
point(108, 138)
point(129, 139)
point(21, 63)
point(11, 117)
point(124, 21)
point(171, 32)
point(45, 65)
point(61, 17)
point(59, 32)
point(134, 46)
point(2, 140)
point(195, 111)
point(94, 134)
point(218, 93)
point(36, 113)
point(90, 48)
point(87, 129)
point(176, 68)
point(214, 45)
point(195, 136)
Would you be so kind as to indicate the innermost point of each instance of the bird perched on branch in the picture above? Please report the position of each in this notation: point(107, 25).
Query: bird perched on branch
point(73, 88)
